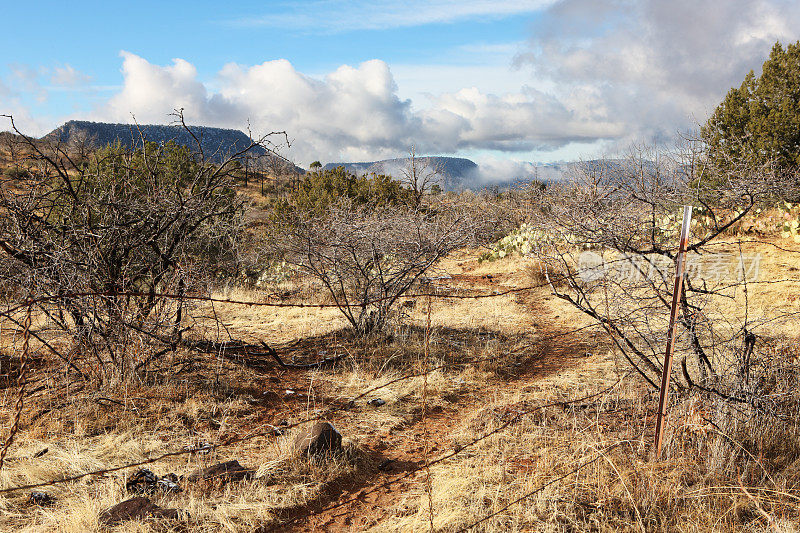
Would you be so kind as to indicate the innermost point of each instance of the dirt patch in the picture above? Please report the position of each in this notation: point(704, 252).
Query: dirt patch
point(403, 450)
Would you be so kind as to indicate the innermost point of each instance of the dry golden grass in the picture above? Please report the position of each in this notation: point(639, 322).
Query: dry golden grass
point(282, 480)
point(512, 474)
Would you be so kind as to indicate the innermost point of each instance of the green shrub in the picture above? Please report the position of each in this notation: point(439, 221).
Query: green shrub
point(16, 173)
point(317, 191)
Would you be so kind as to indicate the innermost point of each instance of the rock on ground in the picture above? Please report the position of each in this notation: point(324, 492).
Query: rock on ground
point(144, 481)
point(227, 471)
point(137, 509)
point(320, 438)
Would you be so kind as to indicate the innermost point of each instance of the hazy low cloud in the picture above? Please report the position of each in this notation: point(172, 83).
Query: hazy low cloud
point(352, 113)
point(67, 76)
point(654, 66)
point(334, 16)
point(494, 171)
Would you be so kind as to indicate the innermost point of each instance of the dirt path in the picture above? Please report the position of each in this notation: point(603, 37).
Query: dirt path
point(397, 456)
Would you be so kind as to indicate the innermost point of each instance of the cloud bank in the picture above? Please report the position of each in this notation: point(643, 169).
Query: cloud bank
point(352, 113)
point(608, 72)
point(655, 66)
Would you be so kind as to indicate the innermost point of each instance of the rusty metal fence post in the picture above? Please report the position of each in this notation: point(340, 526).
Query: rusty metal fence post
point(680, 265)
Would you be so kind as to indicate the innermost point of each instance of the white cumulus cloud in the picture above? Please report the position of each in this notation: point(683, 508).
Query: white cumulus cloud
point(351, 113)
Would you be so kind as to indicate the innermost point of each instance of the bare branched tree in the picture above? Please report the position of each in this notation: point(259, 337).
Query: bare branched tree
point(98, 237)
point(419, 175)
point(612, 239)
point(367, 258)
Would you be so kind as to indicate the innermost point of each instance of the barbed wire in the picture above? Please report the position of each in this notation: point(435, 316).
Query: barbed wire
point(752, 241)
point(258, 303)
point(515, 419)
point(272, 433)
point(29, 303)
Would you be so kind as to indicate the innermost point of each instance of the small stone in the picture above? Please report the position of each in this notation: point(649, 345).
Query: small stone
point(169, 483)
point(146, 482)
point(320, 438)
point(40, 498)
point(137, 509)
point(203, 448)
point(132, 509)
point(227, 471)
point(376, 402)
point(142, 482)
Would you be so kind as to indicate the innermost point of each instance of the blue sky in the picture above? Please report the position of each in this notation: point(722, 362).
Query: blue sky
point(89, 36)
point(494, 80)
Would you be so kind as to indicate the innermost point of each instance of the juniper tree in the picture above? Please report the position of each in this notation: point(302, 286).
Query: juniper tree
point(760, 120)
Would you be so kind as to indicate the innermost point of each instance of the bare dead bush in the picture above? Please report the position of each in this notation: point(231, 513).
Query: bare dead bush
point(419, 175)
point(106, 243)
point(611, 236)
point(367, 258)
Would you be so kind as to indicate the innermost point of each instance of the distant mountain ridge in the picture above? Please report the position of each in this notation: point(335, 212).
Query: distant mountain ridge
point(216, 143)
point(457, 173)
point(453, 170)
point(99, 134)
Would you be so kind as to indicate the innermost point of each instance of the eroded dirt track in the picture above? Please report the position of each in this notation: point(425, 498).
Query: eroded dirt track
point(397, 455)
